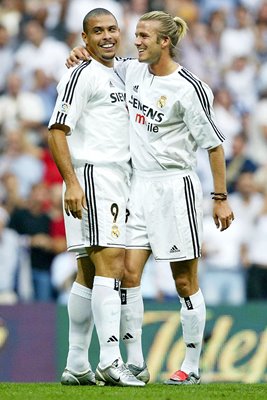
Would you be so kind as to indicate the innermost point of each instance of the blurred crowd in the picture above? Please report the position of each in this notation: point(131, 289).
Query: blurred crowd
point(226, 46)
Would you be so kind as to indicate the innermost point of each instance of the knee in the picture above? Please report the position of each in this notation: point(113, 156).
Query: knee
point(118, 265)
point(109, 262)
point(183, 286)
point(185, 277)
point(186, 285)
point(131, 277)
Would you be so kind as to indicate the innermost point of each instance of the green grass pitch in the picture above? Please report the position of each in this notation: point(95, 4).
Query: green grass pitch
point(55, 391)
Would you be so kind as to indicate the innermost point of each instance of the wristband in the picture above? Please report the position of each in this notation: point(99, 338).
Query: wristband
point(219, 196)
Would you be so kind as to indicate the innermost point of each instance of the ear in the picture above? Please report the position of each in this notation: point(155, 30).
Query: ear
point(84, 38)
point(165, 42)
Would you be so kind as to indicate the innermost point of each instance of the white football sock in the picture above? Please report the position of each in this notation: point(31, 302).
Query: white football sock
point(81, 325)
point(106, 306)
point(132, 314)
point(193, 318)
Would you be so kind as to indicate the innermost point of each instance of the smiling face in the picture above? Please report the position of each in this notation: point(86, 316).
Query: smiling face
point(147, 42)
point(102, 38)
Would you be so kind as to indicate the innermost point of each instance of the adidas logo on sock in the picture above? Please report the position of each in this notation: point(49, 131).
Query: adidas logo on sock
point(174, 249)
point(191, 345)
point(112, 339)
point(127, 336)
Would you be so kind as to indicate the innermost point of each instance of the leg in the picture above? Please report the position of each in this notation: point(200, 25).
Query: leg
point(106, 306)
point(193, 316)
point(78, 369)
point(132, 312)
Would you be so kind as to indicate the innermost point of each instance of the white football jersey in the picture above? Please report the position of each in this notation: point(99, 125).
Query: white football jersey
point(92, 103)
point(170, 117)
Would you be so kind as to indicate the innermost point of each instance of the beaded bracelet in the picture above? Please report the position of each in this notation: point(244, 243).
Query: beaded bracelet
point(219, 196)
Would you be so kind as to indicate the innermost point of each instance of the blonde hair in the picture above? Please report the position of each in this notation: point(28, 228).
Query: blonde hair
point(174, 28)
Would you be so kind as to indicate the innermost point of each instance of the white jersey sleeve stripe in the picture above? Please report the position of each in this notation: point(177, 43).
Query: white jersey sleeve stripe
point(69, 90)
point(202, 98)
point(199, 89)
point(68, 95)
point(91, 205)
point(192, 216)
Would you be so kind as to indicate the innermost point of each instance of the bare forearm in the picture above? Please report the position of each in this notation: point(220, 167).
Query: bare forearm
point(74, 199)
point(222, 213)
point(60, 151)
point(218, 170)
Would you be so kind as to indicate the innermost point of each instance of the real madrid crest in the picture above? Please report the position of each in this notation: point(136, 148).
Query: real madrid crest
point(115, 231)
point(162, 101)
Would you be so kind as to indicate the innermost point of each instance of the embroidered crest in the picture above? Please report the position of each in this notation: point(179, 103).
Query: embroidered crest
point(162, 101)
point(65, 108)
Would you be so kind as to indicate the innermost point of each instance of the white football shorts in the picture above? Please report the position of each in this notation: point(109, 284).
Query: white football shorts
point(103, 223)
point(166, 214)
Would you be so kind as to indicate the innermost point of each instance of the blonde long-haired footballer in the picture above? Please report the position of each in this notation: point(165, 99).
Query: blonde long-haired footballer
point(173, 27)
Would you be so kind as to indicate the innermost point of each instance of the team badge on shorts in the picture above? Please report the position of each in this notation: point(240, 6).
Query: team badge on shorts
point(162, 101)
point(115, 231)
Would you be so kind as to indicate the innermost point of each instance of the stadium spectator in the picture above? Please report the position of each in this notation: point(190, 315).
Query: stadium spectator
point(11, 15)
point(51, 14)
point(199, 52)
point(10, 194)
point(241, 81)
point(246, 201)
point(20, 107)
point(207, 7)
point(227, 117)
point(39, 52)
point(261, 32)
point(238, 163)
point(239, 39)
point(17, 160)
point(222, 270)
point(257, 140)
point(9, 256)
point(63, 274)
point(6, 57)
point(260, 179)
point(257, 256)
point(33, 223)
point(40, 150)
point(45, 89)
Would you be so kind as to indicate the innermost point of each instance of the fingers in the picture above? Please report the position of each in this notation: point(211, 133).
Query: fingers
point(226, 222)
point(75, 58)
point(73, 209)
point(69, 63)
point(223, 222)
point(66, 208)
point(216, 220)
point(84, 54)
